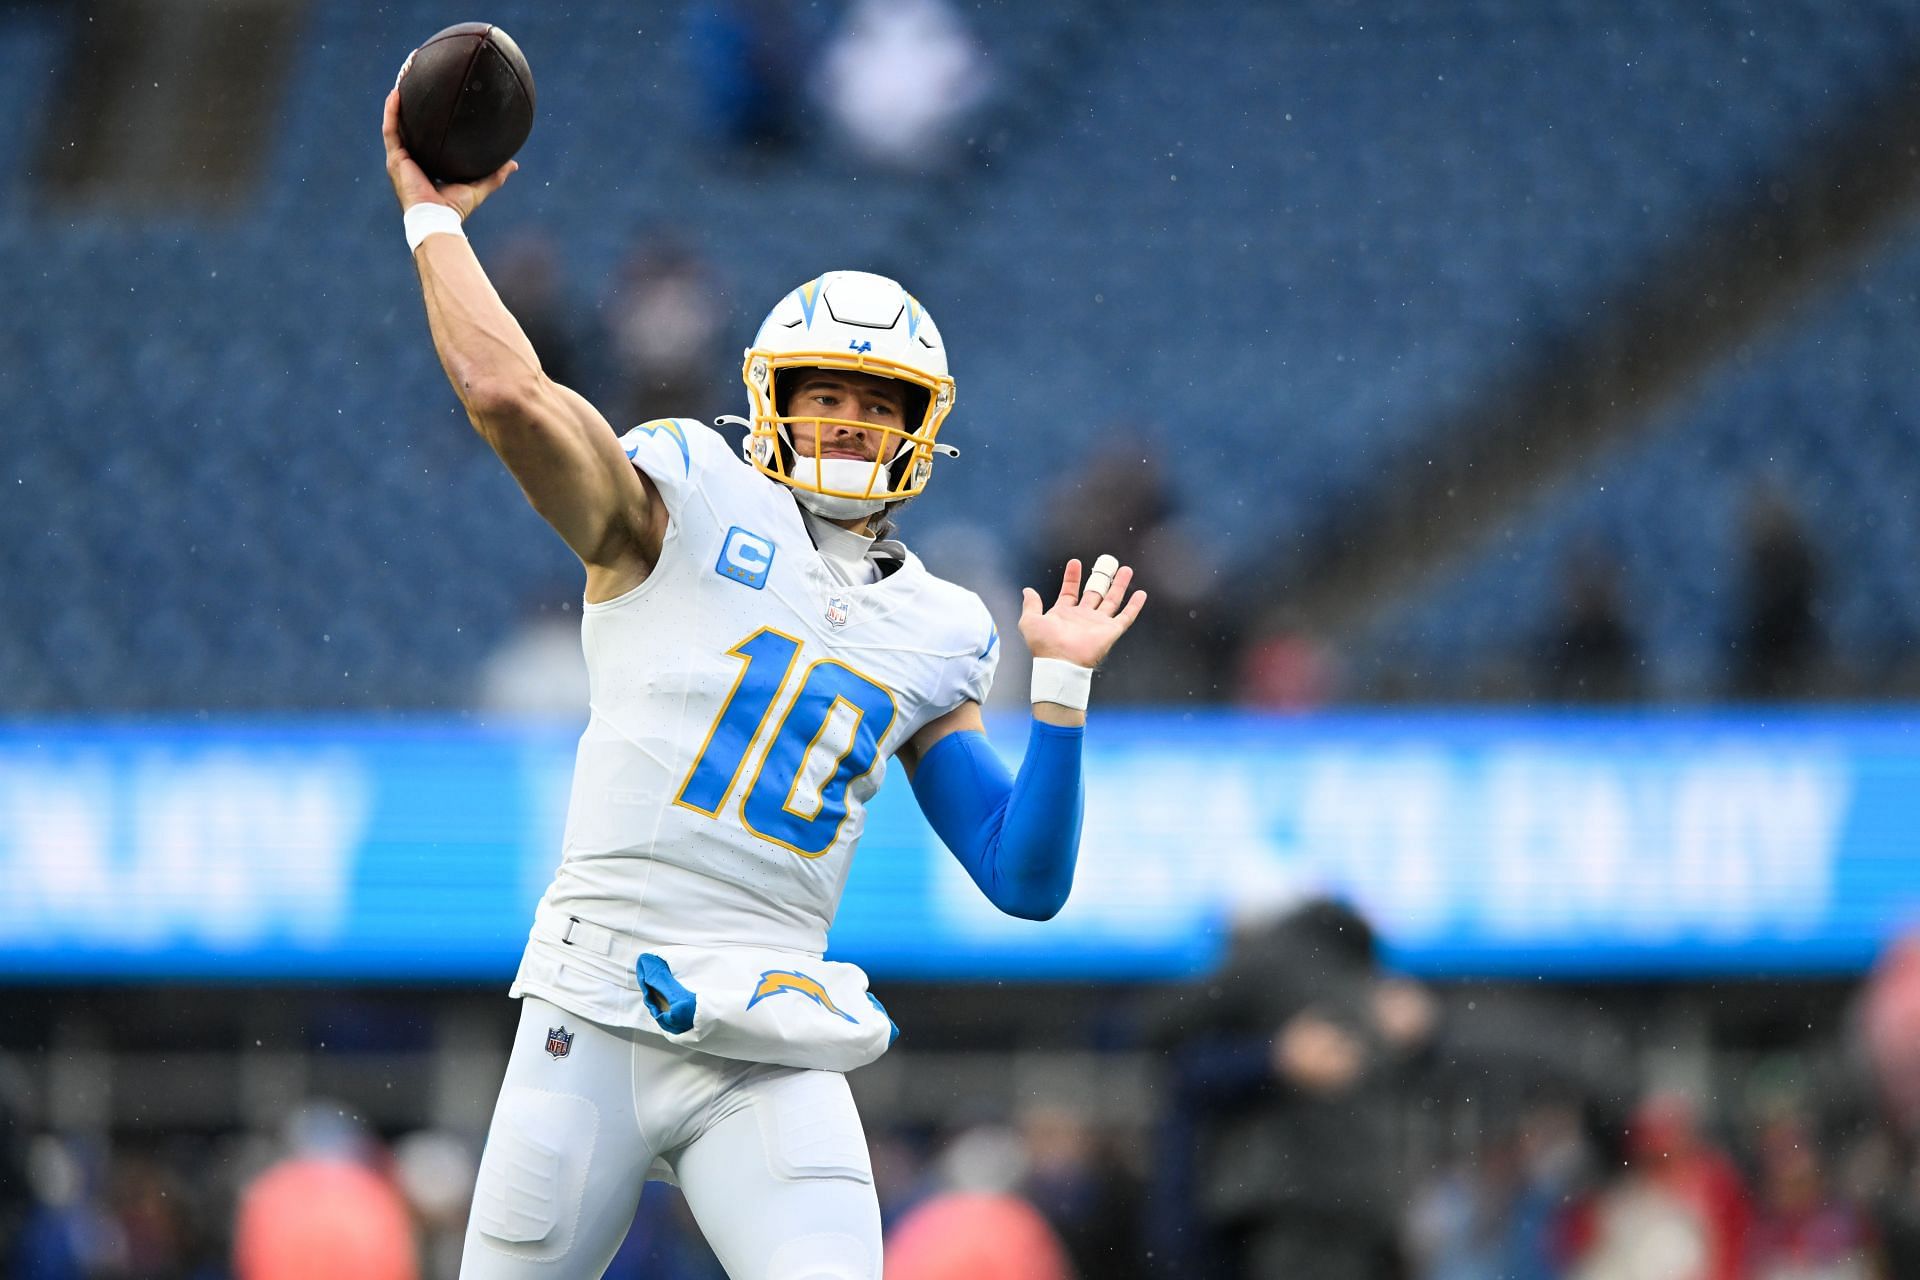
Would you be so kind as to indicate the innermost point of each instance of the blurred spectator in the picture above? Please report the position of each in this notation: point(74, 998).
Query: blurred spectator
point(1287, 669)
point(1801, 1231)
point(151, 1202)
point(1500, 1215)
point(1055, 1160)
point(1291, 1066)
point(900, 1173)
point(745, 56)
point(539, 671)
point(62, 1233)
point(1679, 1212)
point(1589, 654)
point(526, 274)
point(1890, 1027)
point(663, 325)
point(899, 78)
point(987, 1157)
point(323, 1128)
point(1122, 504)
point(435, 1171)
point(975, 1236)
point(322, 1219)
point(1089, 1199)
point(1778, 646)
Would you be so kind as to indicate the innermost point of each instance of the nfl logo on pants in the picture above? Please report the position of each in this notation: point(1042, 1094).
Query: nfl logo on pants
point(559, 1041)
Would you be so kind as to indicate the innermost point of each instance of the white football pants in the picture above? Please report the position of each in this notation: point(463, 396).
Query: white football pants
point(772, 1160)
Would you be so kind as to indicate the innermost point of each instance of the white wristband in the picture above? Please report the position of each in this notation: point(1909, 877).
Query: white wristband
point(1067, 684)
point(426, 219)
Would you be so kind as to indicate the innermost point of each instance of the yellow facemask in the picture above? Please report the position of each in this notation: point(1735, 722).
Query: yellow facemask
point(901, 464)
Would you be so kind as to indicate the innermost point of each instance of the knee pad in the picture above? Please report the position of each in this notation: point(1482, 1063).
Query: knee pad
point(533, 1177)
point(825, 1256)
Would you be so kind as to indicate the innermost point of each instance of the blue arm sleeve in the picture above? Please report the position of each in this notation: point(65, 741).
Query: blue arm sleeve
point(1017, 837)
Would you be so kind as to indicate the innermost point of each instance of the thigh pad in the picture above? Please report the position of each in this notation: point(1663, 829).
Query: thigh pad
point(533, 1177)
point(810, 1127)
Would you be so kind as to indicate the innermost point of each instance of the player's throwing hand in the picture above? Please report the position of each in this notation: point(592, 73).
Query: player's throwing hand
point(413, 186)
point(1081, 626)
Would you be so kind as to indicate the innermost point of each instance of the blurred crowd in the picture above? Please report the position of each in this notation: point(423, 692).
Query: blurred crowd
point(1205, 642)
point(1312, 1115)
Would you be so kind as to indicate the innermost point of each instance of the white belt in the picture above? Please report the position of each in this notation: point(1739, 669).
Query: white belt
point(571, 931)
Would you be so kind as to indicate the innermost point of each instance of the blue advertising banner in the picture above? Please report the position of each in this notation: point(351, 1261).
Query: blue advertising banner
point(1553, 846)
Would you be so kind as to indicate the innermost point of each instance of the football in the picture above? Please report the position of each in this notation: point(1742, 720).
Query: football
point(466, 102)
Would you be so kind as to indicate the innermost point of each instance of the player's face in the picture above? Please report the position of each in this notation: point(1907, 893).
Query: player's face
point(853, 397)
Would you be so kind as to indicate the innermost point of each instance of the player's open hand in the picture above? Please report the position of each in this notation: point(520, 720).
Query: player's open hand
point(1081, 626)
point(413, 186)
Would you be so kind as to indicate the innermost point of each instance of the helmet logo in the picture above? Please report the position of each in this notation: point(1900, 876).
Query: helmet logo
point(860, 345)
point(809, 299)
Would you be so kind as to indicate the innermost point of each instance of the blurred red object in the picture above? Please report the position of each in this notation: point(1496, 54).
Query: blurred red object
point(1891, 1020)
point(319, 1219)
point(966, 1236)
point(1679, 1211)
point(1287, 671)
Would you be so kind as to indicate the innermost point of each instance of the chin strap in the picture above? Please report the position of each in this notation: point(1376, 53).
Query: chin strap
point(834, 507)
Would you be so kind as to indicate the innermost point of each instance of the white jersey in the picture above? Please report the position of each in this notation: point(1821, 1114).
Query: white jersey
point(744, 703)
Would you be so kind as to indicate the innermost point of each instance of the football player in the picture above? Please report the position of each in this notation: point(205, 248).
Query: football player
point(757, 648)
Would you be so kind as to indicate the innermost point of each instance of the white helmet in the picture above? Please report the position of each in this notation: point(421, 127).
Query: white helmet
point(855, 321)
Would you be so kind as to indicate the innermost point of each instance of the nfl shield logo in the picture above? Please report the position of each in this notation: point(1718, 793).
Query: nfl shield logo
point(838, 606)
point(559, 1041)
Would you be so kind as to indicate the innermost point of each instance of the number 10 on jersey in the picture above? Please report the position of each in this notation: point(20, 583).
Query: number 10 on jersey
point(829, 736)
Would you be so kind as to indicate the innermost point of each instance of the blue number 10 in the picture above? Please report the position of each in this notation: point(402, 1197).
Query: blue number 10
point(829, 736)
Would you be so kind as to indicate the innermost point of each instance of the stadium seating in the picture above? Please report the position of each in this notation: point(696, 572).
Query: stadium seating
point(1292, 236)
point(1824, 412)
point(1283, 239)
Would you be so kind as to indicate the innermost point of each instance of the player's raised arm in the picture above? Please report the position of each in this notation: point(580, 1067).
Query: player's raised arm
point(564, 454)
point(1019, 836)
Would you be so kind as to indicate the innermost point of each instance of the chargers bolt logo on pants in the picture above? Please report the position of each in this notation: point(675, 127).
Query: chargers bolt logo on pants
point(774, 981)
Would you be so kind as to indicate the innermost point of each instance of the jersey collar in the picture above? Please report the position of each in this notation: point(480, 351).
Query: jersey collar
point(855, 559)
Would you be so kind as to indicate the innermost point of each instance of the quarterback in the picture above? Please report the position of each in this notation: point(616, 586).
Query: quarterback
point(757, 647)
